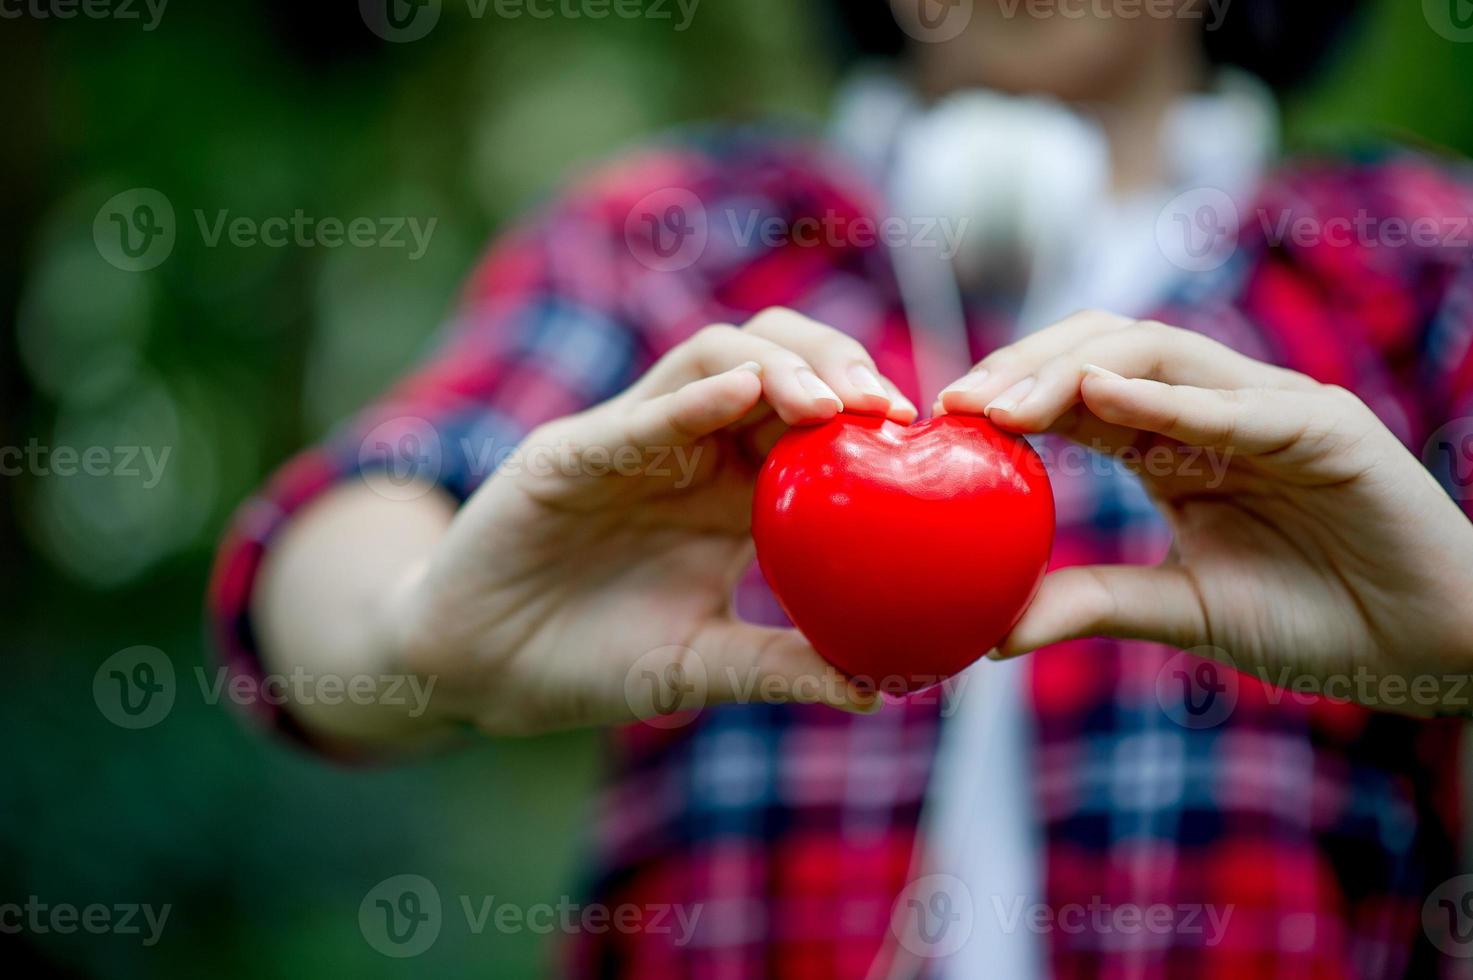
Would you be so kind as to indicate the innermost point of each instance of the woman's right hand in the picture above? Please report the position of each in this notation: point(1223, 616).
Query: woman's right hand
point(589, 580)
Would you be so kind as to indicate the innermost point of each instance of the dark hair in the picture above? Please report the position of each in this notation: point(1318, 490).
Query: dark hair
point(1281, 41)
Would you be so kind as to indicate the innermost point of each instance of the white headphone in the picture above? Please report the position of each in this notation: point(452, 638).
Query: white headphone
point(1027, 180)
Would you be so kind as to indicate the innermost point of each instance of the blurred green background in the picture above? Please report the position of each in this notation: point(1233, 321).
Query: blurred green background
point(232, 357)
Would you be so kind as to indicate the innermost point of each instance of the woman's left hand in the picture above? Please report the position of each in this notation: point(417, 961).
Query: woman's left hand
point(1317, 546)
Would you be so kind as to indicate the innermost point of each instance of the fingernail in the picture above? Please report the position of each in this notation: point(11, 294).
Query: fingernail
point(1100, 372)
point(816, 389)
point(968, 382)
point(752, 366)
point(1009, 400)
point(867, 381)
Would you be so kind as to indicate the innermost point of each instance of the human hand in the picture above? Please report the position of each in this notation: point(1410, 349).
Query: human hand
point(612, 541)
point(1325, 549)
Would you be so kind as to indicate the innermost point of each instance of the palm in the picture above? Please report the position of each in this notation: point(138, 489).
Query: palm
point(606, 548)
point(575, 579)
point(1263, 580)
point(1291, 557)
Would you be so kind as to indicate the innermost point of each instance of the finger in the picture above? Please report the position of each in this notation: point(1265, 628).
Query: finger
point(629, 437)
point(1171, 468)
point(789, 383)
point(1159, 604)
point(697, 409)
point(902, 409)
point(1080, 425)
point(1146, 350)
point(840, 360)
point(1250, 421)
point(1006, 366)
point(760, 439)
point(745, 663)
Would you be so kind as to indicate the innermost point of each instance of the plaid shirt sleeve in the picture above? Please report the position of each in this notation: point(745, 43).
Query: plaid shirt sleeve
point(1447, 360)
point(529, 343)
point(564, 313)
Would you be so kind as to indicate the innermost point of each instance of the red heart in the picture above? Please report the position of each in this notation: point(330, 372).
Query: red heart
point(902, 553)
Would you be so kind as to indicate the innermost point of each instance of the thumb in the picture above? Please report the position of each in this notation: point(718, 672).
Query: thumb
point(1159, 604)
point(746, 663)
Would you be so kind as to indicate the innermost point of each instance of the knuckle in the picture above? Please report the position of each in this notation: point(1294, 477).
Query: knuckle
point(1102, 605)
point(1227, 433)
point(567, 435)
point(712, 334)
point(767, 655)
point(771, 318)
point(549, 433)
point(1094, 316)
point(1004, 361)
point(1348, 404)
point(1293, 380)
point(1060, 366)
point(1154, 328)
point(1234, 396)
point(847, 346)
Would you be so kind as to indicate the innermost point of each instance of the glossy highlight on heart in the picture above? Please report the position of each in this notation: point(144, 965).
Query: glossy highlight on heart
point(903, 554)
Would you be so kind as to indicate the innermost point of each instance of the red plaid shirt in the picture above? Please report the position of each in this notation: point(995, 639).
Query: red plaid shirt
point(1321, 827)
